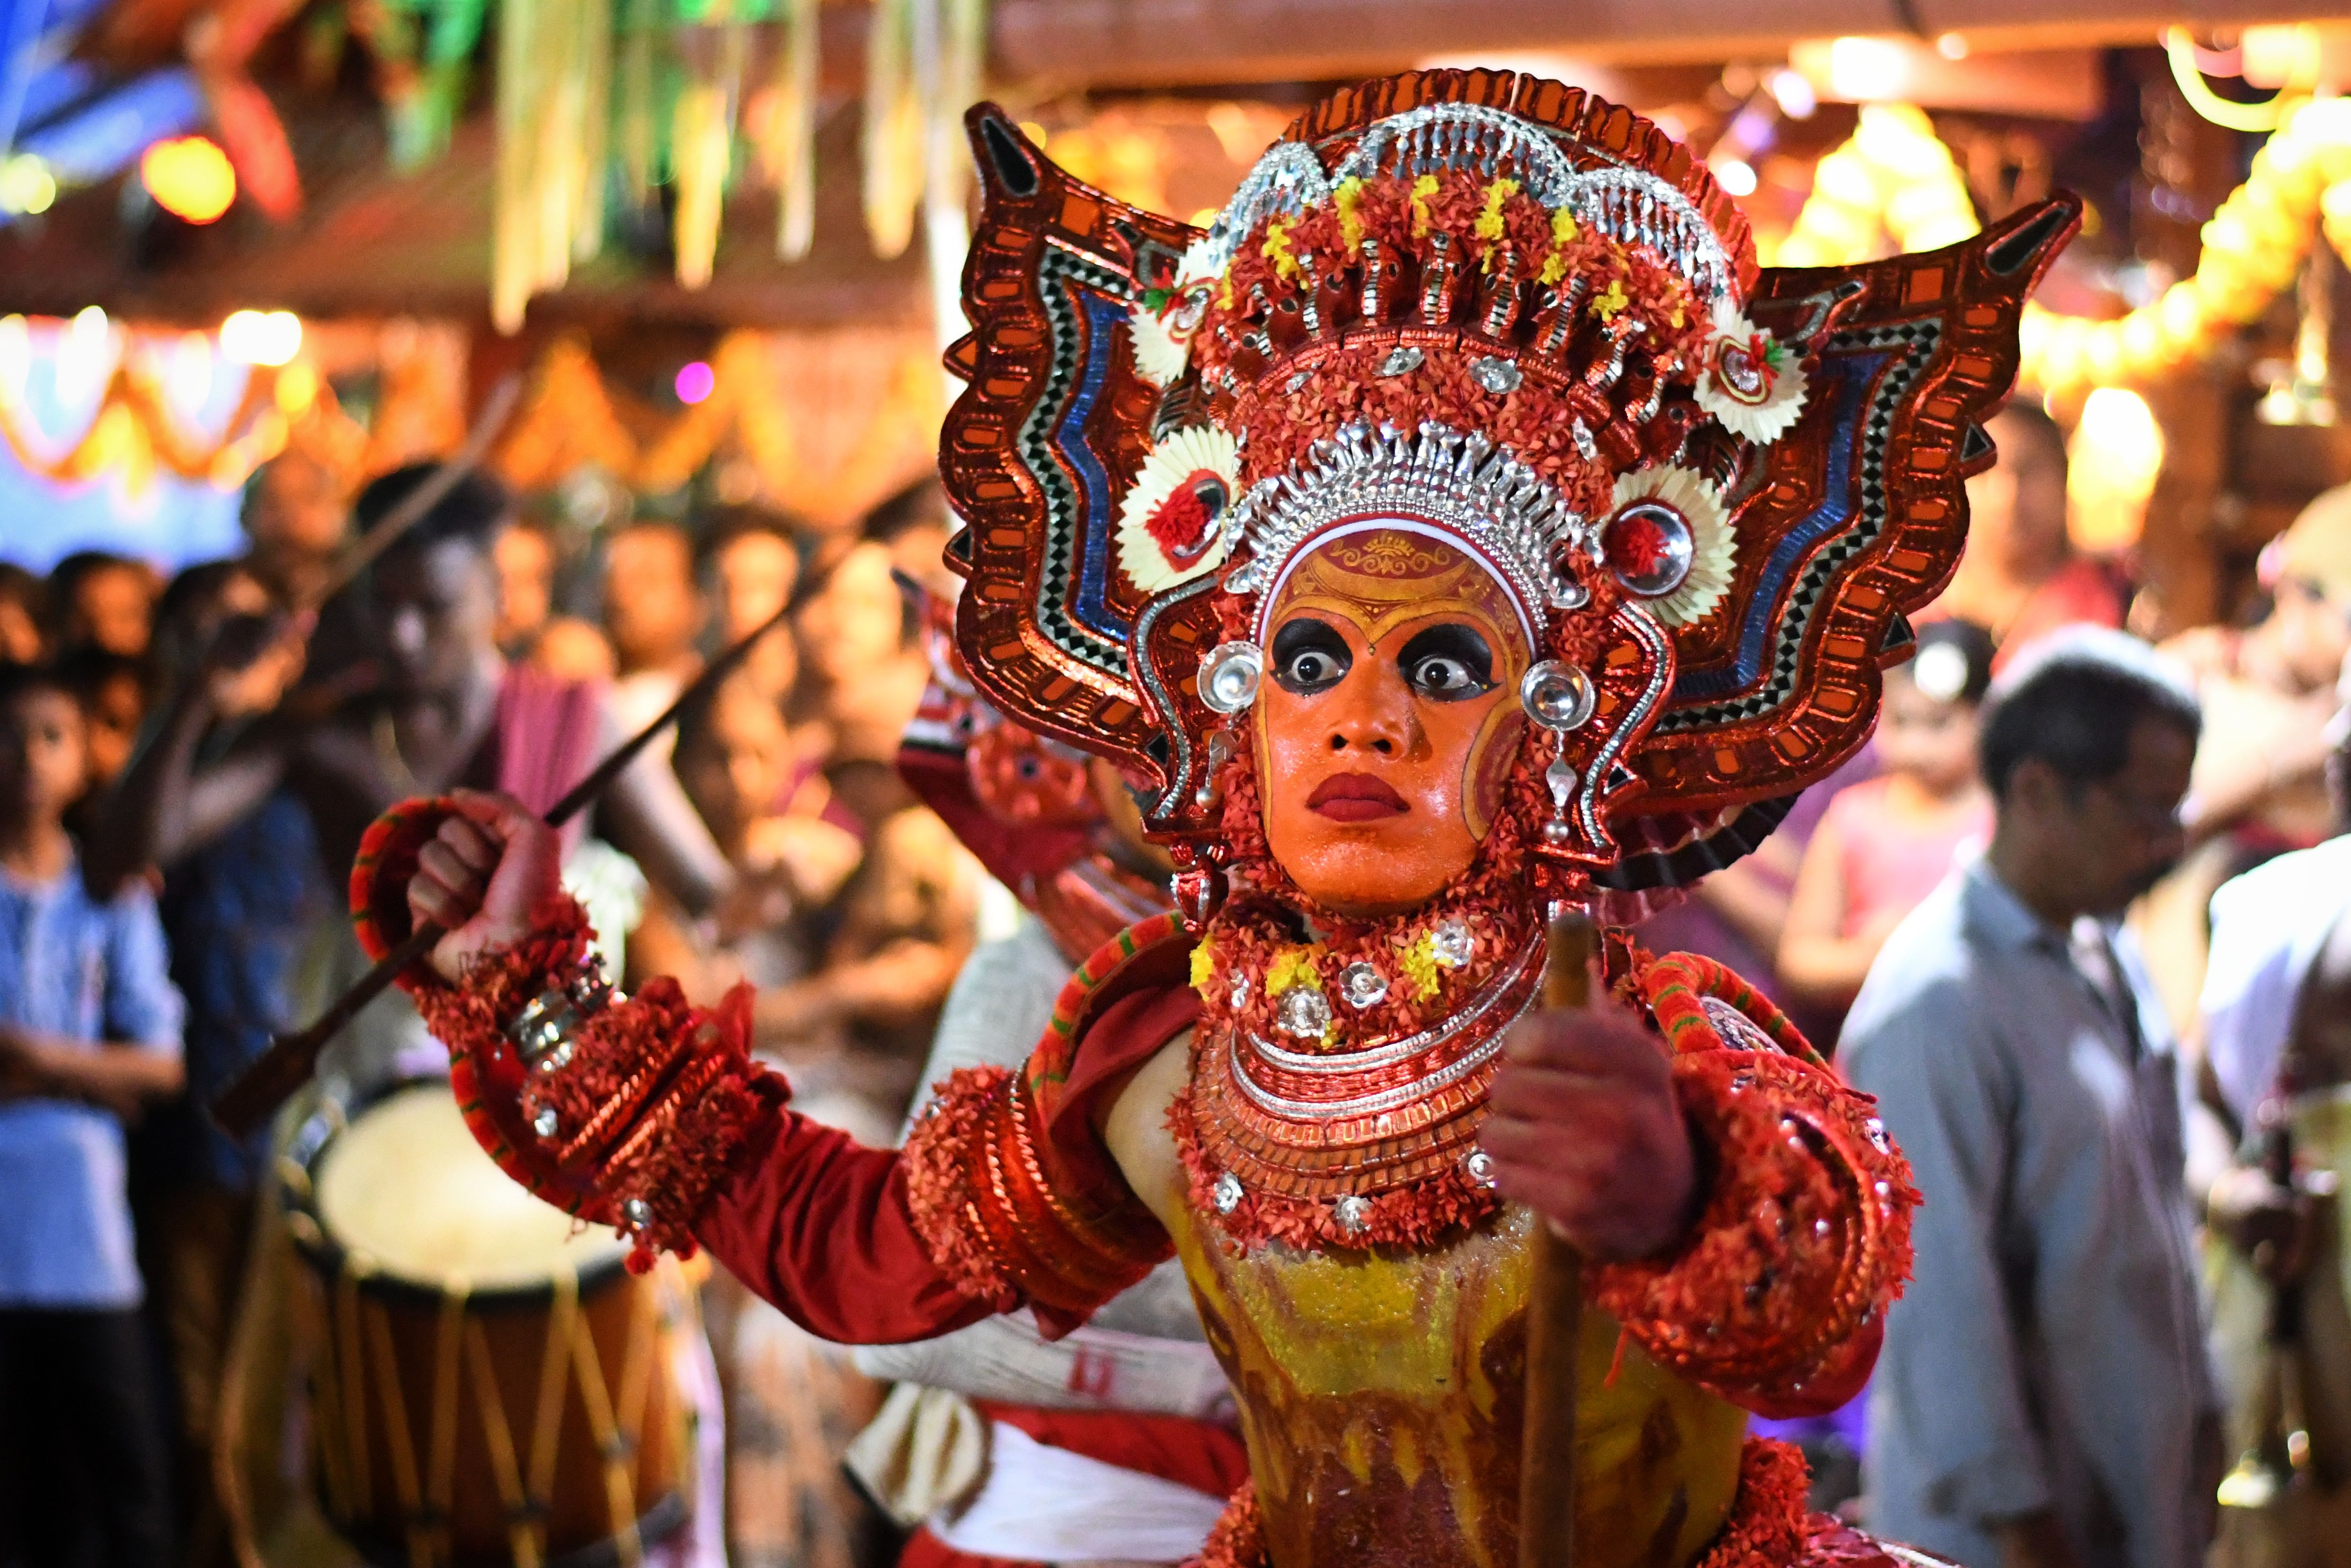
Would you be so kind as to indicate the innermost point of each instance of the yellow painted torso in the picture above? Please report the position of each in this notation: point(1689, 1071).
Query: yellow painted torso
point(1382, 1397)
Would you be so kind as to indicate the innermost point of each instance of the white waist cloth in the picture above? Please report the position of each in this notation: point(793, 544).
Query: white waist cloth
point(1007, 1359)
point(1043, 1504)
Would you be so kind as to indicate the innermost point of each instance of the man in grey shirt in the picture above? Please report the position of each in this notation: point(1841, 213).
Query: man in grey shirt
point(2043, 1399)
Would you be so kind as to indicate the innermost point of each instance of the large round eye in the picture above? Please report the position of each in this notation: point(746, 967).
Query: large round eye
point(1308, 656)
point(1447, 663)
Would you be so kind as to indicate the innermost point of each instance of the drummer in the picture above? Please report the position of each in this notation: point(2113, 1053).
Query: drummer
point(80, 1444)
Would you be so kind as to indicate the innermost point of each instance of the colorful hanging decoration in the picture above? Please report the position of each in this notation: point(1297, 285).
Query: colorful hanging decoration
point(893, 145)
point(553, 103)
point(423, 53)
point(133, 436)
point(828, 423)
point(1896, 180)
point(824, 425)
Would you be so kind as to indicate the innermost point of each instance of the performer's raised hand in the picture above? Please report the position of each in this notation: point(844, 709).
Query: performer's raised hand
point(482, 875)
point(1585, 1130)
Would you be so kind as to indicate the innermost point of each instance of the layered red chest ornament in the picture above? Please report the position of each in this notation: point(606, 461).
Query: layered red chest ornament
point(1338, 1085)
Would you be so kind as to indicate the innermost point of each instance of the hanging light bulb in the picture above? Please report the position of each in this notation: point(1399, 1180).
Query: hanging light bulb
point(2304, 393)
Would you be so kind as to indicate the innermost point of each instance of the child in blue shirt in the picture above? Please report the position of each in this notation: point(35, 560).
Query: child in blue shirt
point(90, 1032)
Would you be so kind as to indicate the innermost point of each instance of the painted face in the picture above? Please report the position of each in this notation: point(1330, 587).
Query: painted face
point(1389, 718)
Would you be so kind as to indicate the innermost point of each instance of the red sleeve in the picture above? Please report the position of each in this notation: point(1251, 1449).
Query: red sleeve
point(651, 1114)
point(819, 1225)
point(825, 1229)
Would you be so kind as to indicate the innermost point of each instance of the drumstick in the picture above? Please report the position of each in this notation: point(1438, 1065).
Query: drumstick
point(363, 552)
point(1555, 1312)
point(291, 1058)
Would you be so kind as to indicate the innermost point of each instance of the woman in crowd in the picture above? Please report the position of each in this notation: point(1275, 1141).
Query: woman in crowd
point(1884, 843)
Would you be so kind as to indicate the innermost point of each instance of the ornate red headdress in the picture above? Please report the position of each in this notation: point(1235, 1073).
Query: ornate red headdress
point(1531, 319)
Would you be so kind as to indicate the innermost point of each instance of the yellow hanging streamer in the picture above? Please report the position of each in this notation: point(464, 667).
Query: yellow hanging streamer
point(893, 130)
point(702, 145)
point(554, 94)
point(512, 262)
point(792, 145)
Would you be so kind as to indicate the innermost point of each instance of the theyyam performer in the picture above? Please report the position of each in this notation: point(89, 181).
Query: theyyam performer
point(1462, 524)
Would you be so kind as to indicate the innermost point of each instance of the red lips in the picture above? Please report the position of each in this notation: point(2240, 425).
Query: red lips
point(1355, 798)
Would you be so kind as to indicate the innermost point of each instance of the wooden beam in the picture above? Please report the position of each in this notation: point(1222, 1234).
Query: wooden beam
point(1060, 44)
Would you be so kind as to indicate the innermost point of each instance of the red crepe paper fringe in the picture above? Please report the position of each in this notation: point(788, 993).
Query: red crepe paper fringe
point(499, 981)
point(1238, 1538)
point(1768, 1527)
point(941, 1160)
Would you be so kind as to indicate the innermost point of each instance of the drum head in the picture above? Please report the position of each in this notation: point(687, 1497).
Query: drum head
point(406, 1190)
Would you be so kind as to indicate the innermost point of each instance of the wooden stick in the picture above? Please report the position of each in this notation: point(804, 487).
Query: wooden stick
point(1555, 1313)
point(292, 1059)
point(361, 552)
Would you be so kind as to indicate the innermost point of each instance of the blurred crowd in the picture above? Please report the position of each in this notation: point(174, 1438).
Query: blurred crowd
point(205, 751)
point(188, 765)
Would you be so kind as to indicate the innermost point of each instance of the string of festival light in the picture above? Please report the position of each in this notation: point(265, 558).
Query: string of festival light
point(1895, 178)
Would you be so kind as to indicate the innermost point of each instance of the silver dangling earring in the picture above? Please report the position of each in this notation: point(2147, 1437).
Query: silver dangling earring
point(1559, 698)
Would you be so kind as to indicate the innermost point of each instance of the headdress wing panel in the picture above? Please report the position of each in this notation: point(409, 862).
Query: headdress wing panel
point(1857, 515)
point(1037, 452)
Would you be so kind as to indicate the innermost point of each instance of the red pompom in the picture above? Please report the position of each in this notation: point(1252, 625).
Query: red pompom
point(1183, 518)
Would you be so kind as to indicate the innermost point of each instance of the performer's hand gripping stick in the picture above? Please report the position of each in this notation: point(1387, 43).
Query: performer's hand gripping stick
point(1555, 1313)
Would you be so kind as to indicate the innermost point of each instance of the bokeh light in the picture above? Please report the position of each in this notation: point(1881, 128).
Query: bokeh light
point(189, 177)
point(261, 336)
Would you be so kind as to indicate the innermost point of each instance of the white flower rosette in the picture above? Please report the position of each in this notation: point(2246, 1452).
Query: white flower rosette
point(1752, 383)
point(1163, 320)
point(1680, 493)
point(1170, 524)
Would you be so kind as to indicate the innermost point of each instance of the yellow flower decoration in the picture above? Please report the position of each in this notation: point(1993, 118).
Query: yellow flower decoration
point(1563, 231)
point(1420, 965)
point(1293, 967)
point(1489, 220)
point(1422, 189)
point(1204, 969)
point(1277, 248)
point(1675, 318)
point(1349, 199)
point(1611, 302)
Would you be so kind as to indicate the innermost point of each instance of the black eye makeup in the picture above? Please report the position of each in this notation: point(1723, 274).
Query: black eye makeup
point(1309, 657)
point(1447, 663)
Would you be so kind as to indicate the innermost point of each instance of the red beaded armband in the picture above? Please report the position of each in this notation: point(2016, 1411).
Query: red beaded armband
point(1009, 1218)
